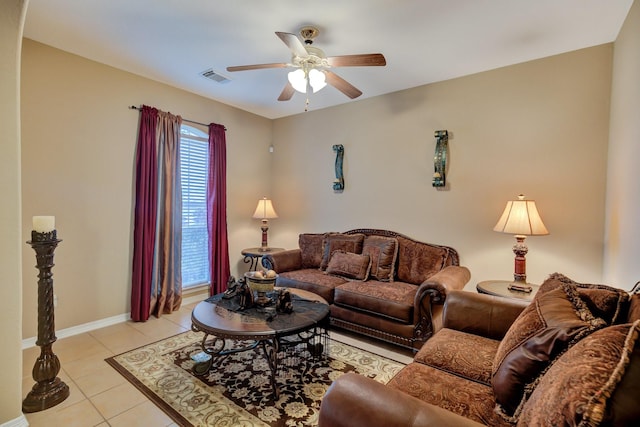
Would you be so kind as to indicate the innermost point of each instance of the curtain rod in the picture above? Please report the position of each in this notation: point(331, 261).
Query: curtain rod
point(133, 107)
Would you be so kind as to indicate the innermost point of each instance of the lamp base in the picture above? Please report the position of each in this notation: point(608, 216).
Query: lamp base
point(264, 247)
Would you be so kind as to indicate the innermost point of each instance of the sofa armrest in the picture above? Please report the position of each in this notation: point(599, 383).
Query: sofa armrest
point(485, 315)
point(354, 400)
point(449, 278)
point(280, 262)
point(427, 311)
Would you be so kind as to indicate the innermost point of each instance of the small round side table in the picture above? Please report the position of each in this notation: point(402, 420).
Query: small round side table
point(253, 255)
point(500, 288)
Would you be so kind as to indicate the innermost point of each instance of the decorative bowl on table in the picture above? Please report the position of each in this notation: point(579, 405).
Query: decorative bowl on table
point(261, 283)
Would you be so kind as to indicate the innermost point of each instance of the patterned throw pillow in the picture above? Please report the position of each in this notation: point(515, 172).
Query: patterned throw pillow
point(383, 252)
point(419, 261)
point(595, 383)
point(349, 265)
point(555, 320)
point(603, 301)
point(338, 241)
point(311, 249)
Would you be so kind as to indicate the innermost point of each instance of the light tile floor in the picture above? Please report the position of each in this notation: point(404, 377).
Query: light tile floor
point(100, 396)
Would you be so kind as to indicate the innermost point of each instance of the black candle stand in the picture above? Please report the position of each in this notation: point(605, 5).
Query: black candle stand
point(49, 390)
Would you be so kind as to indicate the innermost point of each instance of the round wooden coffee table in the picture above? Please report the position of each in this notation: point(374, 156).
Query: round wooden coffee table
point(222, 322)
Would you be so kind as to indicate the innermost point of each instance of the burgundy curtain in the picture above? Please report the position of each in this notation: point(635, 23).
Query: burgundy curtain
point(217, 210)
point(144, 229)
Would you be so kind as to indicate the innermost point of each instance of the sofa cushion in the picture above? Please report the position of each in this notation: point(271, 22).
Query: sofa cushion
point(451, 392)
point(311, 249)
point(349, 265)
point(418, 261)
point(338, 241)
point(466, 355)
point(312, 280)
point(555, 320)
point(383, 252)
point(594, 383)
point(392, 300)
point(603, 301)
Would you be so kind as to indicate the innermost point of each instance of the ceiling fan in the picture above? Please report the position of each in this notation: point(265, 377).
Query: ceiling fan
point(313, 66)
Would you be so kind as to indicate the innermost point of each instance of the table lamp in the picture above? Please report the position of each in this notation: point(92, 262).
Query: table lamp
point(521, 218)
point(265, 212)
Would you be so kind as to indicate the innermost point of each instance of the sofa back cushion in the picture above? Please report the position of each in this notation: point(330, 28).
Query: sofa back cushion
point(311, 249)
point(595, 383)
point(556, 319)
point(383, 252)
point(418, 261)
point(339, 241)
point(349, 265)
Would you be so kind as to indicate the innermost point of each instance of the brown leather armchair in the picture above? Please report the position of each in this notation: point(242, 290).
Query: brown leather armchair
point(450, 381)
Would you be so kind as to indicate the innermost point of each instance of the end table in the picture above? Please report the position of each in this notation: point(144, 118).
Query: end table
point(253, 255)
point(500, 288)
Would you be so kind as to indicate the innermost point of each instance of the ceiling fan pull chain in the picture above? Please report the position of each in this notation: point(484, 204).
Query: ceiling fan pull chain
point(306, 105)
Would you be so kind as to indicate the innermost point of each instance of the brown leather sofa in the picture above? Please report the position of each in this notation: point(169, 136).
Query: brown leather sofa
point(572, 357)
point(378, 283)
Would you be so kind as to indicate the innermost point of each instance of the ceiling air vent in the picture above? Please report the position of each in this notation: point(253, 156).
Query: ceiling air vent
point(215, 76)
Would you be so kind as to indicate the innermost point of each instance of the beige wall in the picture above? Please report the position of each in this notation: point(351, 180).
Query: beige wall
point(12, 15)
point(78, 153)
point(623, 181)
point(538, 128)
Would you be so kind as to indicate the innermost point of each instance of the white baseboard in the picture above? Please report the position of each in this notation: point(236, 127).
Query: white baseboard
point(21, 421)
point(80, 329)
point(87, 327)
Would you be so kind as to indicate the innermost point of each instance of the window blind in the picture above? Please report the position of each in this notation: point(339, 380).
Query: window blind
point(194, 154)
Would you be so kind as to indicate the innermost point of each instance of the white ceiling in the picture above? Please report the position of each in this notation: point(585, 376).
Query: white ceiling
point(424, 41)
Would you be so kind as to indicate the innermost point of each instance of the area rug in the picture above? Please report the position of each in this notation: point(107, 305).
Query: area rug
point(237, 391)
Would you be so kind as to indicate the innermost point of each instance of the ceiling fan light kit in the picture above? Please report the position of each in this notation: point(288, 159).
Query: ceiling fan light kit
point(312, 66)
point(300, 78)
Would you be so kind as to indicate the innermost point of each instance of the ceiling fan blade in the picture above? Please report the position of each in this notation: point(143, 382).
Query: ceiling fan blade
point(342, 85)
point(293, 42)
point(287, 92)
point(364, 60)
point(257, 66)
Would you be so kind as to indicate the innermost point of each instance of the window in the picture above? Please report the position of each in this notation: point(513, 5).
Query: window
point(194, 155)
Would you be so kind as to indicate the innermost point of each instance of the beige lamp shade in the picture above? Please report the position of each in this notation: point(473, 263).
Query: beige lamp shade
point(521, 217)
point(265, 210)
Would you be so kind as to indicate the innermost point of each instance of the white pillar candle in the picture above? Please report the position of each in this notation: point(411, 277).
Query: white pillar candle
point(44, 224)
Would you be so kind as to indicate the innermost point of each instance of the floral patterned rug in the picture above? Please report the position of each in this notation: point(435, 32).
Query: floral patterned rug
point(237, 391)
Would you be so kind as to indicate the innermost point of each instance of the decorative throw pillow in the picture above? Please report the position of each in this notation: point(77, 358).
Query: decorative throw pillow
point(338, 241)
point(383, 252)
point(311, 249)
point(595, 383)
point(603, 301)
point(419, 261)
point(555, 320)
point(349, 265)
